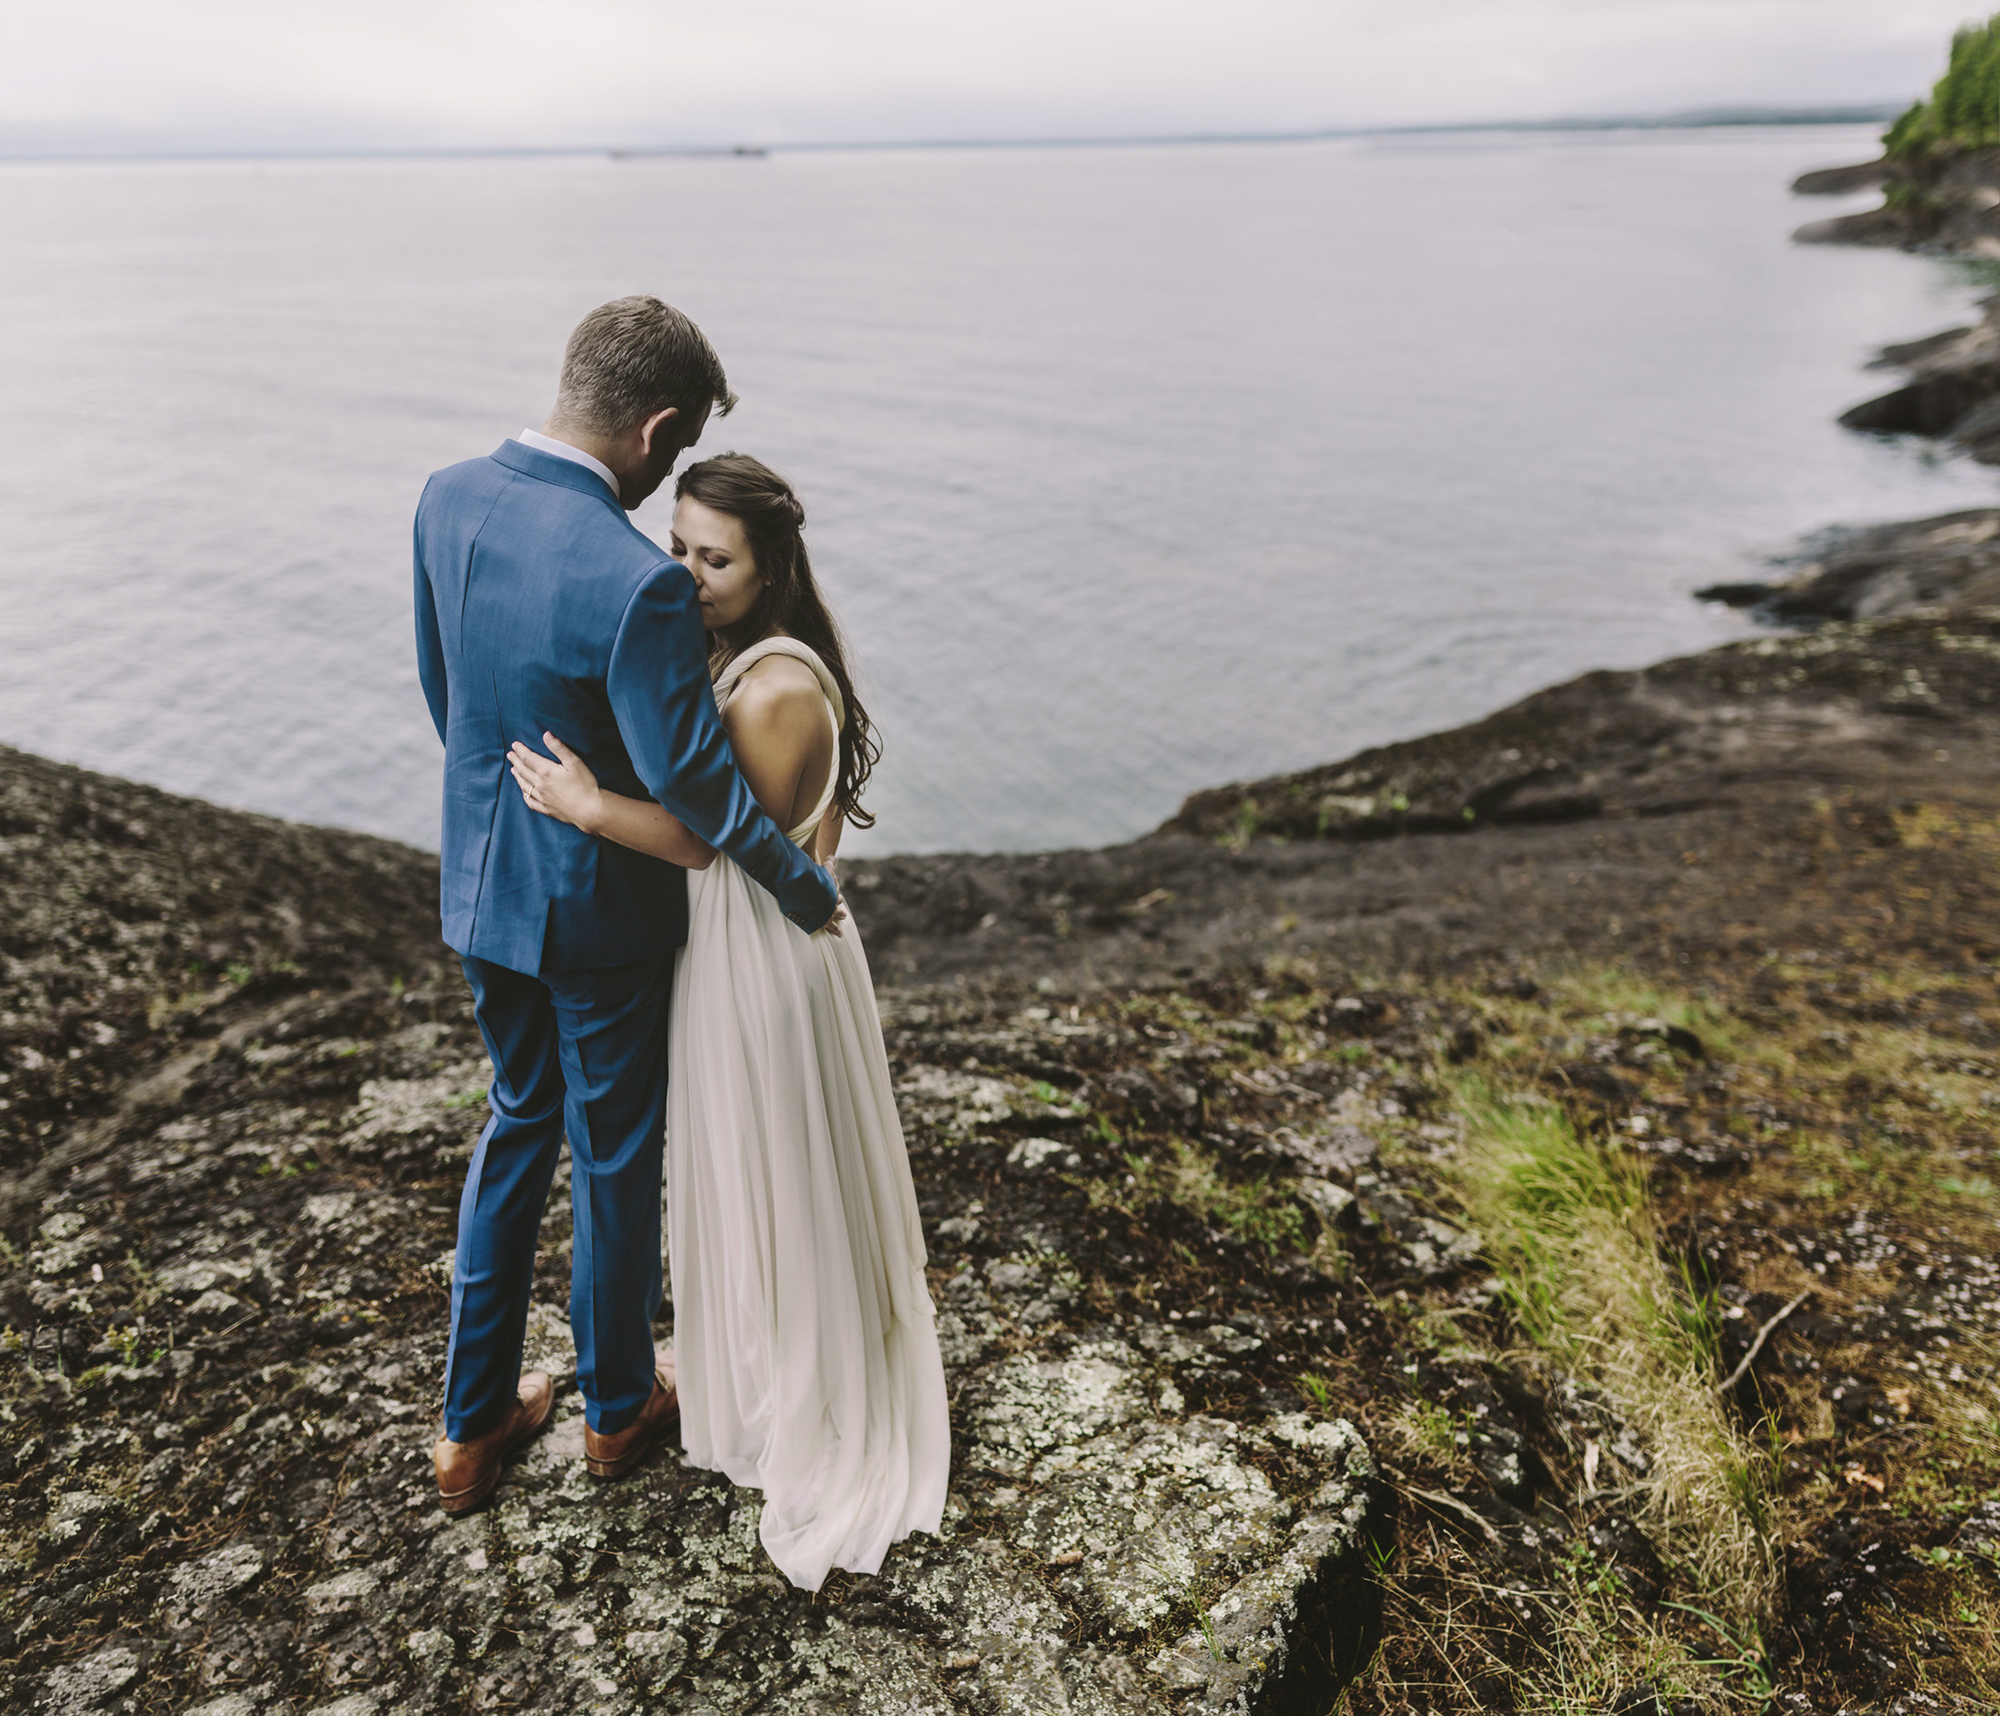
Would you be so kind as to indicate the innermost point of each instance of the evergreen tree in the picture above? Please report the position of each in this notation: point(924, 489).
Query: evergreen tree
point(1964, 109)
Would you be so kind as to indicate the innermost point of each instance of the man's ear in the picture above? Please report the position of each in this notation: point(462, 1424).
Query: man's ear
point(653, 425)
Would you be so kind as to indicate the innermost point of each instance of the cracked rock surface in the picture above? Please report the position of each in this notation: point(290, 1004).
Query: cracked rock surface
point(226, 1317)
point(1184, 1181)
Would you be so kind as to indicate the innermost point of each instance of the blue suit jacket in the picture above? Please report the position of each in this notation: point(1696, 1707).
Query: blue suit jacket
point(540, 608)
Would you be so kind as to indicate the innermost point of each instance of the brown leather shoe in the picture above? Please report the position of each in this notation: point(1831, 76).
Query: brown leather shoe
point(614, 1455)
point(467, 1472)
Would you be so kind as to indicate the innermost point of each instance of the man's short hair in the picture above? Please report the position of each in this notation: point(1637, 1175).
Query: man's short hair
point(635, 356)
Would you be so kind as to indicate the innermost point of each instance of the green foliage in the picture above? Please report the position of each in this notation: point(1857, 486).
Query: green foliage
point(1550, 1205)
point(1743, 1657)
point(1259, 1211)
point(1567, 1226)
point(1433, 1427)
point(1902, 136)
point(1964, 108)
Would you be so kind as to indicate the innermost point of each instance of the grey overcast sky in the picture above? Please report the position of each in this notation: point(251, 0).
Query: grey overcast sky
point(119, 75)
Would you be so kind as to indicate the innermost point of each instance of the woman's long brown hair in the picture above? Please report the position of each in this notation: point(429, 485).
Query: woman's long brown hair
point(760, 500)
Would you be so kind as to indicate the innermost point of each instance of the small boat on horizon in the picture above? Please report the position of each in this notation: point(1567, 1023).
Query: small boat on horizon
point(747, 151)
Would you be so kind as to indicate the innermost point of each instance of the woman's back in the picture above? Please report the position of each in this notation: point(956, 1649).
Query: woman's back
point(818, 778)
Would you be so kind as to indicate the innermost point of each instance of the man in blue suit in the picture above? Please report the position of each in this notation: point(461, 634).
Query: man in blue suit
point(541, 609)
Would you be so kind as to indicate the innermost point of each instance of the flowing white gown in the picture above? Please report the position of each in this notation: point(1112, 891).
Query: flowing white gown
point(804, 1335)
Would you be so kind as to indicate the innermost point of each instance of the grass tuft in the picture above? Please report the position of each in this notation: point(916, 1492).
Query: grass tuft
point(1258, 1211)
point(1567, 1227)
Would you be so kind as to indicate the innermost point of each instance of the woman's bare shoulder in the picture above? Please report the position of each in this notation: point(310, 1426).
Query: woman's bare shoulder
point(777, 703)
point(777, 686)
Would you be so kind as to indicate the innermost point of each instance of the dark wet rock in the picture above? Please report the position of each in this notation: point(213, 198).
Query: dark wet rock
point(1885, 228)
point(1717, 754)
point(1947, 202)
point(1911, 354)
point(1952, 390)
point(1844, 181)
point(1644, 743)
point(1978, 430)
point(1945, 564)
point(1935, 404)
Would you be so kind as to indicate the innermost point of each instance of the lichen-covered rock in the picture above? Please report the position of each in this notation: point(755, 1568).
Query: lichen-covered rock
point(1174, 1233)
point(194, 1588)
point(92, 1683)
point(607, 1596)
point(230, 1323)
point(1264, 1643)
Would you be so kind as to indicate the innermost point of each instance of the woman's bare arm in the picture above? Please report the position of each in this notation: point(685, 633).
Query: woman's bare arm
point(782, 743)
point(826, 843)
point(568, 791)
point(648, 826)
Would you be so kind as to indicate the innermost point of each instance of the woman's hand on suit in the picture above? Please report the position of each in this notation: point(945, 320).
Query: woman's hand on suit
point(564, 788)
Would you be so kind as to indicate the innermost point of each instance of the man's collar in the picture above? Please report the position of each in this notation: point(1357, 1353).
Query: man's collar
point(552, 468)
point(563, 450)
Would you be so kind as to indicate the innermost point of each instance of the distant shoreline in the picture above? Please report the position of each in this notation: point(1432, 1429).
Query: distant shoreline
point(1698, 119)
point(1950, 394)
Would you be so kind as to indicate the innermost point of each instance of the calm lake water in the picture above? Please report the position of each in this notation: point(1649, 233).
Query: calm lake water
point(1130, 470)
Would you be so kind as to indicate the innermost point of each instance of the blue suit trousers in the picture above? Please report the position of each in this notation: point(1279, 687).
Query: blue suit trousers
point(582, 1053)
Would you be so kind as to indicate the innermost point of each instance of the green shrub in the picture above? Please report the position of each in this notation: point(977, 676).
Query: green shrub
point(1964, 108)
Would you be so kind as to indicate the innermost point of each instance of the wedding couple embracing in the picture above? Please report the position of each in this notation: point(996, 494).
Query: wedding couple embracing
point(649, 757)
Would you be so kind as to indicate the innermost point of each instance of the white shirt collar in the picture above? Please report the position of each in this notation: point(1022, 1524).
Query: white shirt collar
point(563, 450)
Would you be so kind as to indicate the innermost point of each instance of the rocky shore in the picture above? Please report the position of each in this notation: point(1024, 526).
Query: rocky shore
point(1236, 1403)
point(1943, 204)
point(1940, 565)
point(1504, 1221)
point(1946, 202)
point(240, 1088)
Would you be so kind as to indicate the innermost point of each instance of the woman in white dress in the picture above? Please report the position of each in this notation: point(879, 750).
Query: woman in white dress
point(805, 1346)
